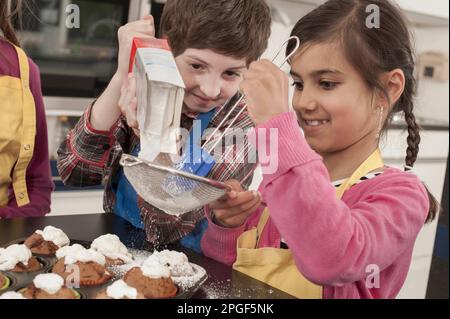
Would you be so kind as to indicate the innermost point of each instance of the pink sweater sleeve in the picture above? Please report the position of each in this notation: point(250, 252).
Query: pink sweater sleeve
point(219, 243)
point(333, 243)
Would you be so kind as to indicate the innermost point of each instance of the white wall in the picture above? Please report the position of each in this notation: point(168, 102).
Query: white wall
point(433, 97)
point(437, 8)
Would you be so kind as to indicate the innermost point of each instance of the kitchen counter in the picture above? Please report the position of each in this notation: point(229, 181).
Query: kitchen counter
point(223, 281)
point(427, 124)
point(425, 127)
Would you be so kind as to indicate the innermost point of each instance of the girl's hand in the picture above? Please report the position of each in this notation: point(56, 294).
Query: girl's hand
point(144, 28)
point(128, 103)
point(234, 209)
point(266, 89)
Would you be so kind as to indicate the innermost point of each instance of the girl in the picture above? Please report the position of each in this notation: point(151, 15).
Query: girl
point(352, 238)
point(25, 179)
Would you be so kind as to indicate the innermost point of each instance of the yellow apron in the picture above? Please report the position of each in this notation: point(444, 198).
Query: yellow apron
point(277, 267)
point(17, 132)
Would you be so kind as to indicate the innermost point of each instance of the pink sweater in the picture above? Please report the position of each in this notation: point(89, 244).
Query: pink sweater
point(334, 242)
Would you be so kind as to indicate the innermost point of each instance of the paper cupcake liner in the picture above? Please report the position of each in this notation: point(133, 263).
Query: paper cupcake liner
point(6, 284)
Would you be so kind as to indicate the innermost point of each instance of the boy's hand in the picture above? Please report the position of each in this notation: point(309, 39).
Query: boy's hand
point(233, 209)
point(144, 28)
point(266, 90)
point(128, 103)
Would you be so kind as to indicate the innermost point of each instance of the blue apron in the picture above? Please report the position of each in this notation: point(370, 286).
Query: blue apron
point(126, 197)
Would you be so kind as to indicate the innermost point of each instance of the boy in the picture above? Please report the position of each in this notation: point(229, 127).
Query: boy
point(213, 43)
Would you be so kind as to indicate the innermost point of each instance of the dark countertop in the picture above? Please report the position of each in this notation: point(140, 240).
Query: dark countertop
point(223, 281)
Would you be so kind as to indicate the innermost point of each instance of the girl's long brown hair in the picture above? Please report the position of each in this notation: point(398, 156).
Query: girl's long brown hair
point(372, 51)
point(10, 10)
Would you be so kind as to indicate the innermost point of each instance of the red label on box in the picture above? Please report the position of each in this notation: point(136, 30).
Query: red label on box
point(146, 43)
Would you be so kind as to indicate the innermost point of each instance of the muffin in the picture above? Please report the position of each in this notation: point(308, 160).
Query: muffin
point(18, 259)
point(4, 282)
point(119, 290)
point(12, 295)
point(47, 242)
point(115, 252)
point(151, 280)
point(177, 262)
point(49, 286)
point(84, 266)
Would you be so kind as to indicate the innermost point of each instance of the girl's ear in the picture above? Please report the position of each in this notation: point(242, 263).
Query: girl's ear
point(395, 85)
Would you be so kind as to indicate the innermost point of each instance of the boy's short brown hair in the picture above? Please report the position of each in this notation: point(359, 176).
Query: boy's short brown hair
point(237, 28)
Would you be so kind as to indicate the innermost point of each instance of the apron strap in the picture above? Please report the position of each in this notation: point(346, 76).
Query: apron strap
point(24, 67)
point(262, 224)
point(372, 163)
point(28, 132)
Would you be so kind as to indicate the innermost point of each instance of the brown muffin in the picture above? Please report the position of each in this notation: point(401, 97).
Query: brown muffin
point(33, 265)
point(35, 293)
point(91, 273)
point(151, 288)
point(38, 245)
point(4, 282)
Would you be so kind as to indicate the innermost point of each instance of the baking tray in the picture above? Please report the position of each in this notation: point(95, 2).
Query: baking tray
point(20, 281)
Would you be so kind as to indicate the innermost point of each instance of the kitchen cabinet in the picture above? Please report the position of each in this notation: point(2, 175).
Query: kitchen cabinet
point(77, 202)
point(67, 201)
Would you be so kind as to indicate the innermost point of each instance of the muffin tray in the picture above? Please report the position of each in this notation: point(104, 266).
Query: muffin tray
point(22, 280)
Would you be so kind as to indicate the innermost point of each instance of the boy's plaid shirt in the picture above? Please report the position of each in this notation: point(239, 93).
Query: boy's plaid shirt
point(89, 157)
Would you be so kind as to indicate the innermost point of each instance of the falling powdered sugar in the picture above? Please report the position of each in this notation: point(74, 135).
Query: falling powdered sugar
point(139, 257)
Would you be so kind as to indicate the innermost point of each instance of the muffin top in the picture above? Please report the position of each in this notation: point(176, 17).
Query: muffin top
point(50, 283)
point(153, 269)
point(177, 262)
point(120, 290)
point(12, 295)
point(55, 235)
point(14, 255)
point(110, 246)
point(77, 253)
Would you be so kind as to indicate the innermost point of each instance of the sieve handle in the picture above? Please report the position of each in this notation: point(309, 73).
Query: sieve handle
point(129, 161)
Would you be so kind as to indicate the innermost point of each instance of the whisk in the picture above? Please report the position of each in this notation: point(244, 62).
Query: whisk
point(178, 189)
